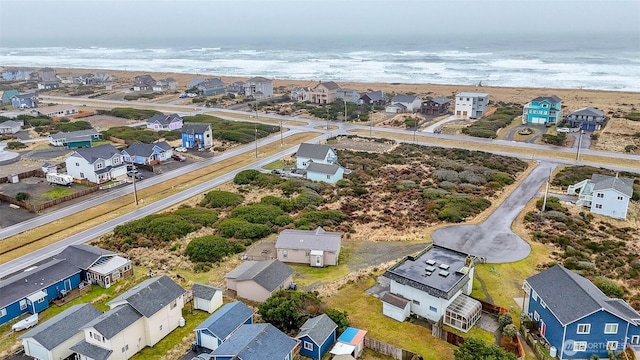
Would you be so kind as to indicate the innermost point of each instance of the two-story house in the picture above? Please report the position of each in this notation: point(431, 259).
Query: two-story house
point(324, 92)
point(197, 135)
point(164, 122)
point(543, 110)
point(258, 87)
point(373, 98)
point(435, 285)
point(143, 83)
point(576, 318)
point(404, 103)
point(236, 88)
point(210, 87)
point(165, 84)
point(300, 93)
point(605, 195)
point(587, 118)
point(75, 139)
point(97, 164)
point(257, 342)
point(318, 153)
point(17, 74)
point(435, 107)
point(25, 101)
point(98, 266)
point(471, 105)
point(218, 327)
point(348, 95)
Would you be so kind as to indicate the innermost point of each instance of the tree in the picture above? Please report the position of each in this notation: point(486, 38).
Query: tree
point(22, 196)
point(341, 318)
point(510, 331)
point(504, 320)
point(15, 145)
point(211, 249)
point(475, 349)
point(289, 309)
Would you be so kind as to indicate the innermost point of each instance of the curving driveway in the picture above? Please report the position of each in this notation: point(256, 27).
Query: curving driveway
point(539, 129)
point(493, 239)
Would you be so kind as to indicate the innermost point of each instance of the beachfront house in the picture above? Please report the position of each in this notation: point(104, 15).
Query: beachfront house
point(587, 118)
point(7, 95)
point(48, 85)
point(143, 83)
point(257, 342)
point(348, 95)
point(11, 126)
point(543, 110)
point(236, 88)
point(56, 111)
point(197, 135)
point(147, 154)
point(258, 280)
point(52, 339)
point(576, 318)
point(604, 195)
point(435, 284)
point(96, 164)
point(471, 105)
point(98, 266)
point(75, 139)
point(317, 247)
point(47, 74)
point(374, 98)
point(161, 122)
point(404, 103)
point(17, 74)
point(25, 101)
point(218, 327)
point(316, 336)
point(210, 87)
point(206, 297)
point(324, 92)
point(300, 93)
point(350, 342)
point(317, 153)
point(258, 87)
point(435, 107)
point(165, 85)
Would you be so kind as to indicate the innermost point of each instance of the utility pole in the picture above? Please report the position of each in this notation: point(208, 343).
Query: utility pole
point(370, 122)
point(256, 140)
point(280, 132)
point(345, 110)
point(546, 192)
point(135, 191)
point(579, 143)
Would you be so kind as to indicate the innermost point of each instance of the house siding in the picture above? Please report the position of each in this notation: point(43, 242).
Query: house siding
point(427, 306)
point(202, 140)
point(302, 256)
point(612, 203)
point(318, 351)
point(250, 290)
point(330, 158)
point(596, 339)
point(542, 112)
point(329, 178)
point(168, 318)
point(394, 312)
point(472, 107)
point(554, 331)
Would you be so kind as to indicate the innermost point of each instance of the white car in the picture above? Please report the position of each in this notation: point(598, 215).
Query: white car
point(181, 149)
point(563, 130)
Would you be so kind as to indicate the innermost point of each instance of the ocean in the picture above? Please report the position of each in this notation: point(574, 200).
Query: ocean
point(603, 62)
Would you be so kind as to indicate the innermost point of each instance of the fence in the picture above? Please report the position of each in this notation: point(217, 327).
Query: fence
point(117, 140)
point(24, 175)
point(538, 349)
point(390, 350)
point(439, 332)
point(491, 308)
point(39, 207)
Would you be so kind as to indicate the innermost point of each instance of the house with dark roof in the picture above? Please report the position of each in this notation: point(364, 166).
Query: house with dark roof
point(543, 110)
point(165, 84)
point(604, 195)
point(236, 88)
point(317, 153)
point(209, 87)
point(317, 247)
point(435, 107)
point(164, 122)
point(7, 95)
point(97, 164)
point(75, 139)
point(197, 135)
point(99, 266)
point(325, 92)
point(258, 87)
point(404, 103)
point(222, 324)
point(576, 318)
point(257, 342)
point(349, 95)
point(147, 154)
point(31, 291)
point(206, 297)
point(257, 280)
point(53, 339)
point(25, 101)
point(143, 83)
point(193, 82)
point(587, 118)
point(436, 282)
point(374, 98)
point(316, 336)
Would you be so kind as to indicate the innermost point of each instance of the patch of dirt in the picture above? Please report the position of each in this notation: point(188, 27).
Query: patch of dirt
point(104, 122)
point(617, 134)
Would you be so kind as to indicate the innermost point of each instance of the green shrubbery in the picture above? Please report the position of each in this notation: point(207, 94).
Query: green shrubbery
point(312, 219)
point(15, 145)
point(129, 113)
point(558, 139)
point(235, 131)
point(255, 177)
point(132, 135)
point(201, 217)
point(488, 127)
point(242, 229)
point(456, 208)
point(553, 204)
point(633, 116)
point(211, 249)
point(608, 287)
point(73, 126)
point(269, 215)
point(221, 199)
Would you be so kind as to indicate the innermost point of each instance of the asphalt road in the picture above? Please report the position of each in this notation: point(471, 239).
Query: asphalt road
point(493, 239)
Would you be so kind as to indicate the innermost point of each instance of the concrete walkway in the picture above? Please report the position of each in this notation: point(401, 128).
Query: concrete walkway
point(431, 128)
point(493, 239)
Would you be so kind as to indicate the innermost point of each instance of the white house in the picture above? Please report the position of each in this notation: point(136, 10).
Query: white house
point(206, 297)
point(604, 195)
point(258, 87)
point(99, 266)
point(257, 280)
point(97, 164)
point(317, 247)
point(164, 122)
point(11, 126)
point(317, 153)
point(471, 105)
point(300, 93)
point(435, 284)
point(57, 110)
point(410, 103)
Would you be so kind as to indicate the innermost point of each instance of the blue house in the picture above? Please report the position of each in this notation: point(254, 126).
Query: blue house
point(7, 95)
point(222, 324)
point(256, 342)
point(317, 335)
point(22, 101)
point(576, 318)
point(32, 290)
point(197, 135)
point(330, 173)
point(542, 110)
point(147, 154)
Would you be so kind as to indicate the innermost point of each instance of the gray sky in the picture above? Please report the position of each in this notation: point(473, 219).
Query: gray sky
point(50, 19)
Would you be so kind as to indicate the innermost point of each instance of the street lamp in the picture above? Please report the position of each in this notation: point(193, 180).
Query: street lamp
point(579, 143)
point(135, 191)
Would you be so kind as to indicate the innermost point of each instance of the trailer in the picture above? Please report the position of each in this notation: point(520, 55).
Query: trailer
point(59, 179)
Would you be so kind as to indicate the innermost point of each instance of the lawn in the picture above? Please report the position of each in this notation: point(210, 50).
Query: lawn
point(274, 165)
point(306, 275)
point(57, 192)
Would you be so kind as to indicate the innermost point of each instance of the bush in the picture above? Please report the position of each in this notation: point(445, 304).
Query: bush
point(22, 196)
point(488, 127)
point(341, 318)
point(221, 199)
point(553, 204)
point(132, 134)
point(259, 214)
point(211, 249)
point(163, 227)
point(242, 229)
point(504, 320)
point(15, 145)
point(284, 204)
point(510, 331)
point(73, 126)
point(633, 116)
point(255, 177)
point(202, 217)
point(130, 113)
point(558, 139)
point(313, 219)
point(608, 287)
point(235, 131)
point(456, 208)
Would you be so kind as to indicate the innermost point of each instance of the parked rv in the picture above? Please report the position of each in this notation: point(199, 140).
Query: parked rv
point(59, 179)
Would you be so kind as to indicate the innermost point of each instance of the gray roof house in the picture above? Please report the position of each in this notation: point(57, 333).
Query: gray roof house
point(75, 139)
point(410, 102)
point(206, 297)
point(150, 296)
point(373, 98)
point(317, 153)
point(212, 86)
point(256, 342)
point(55, 336)
point(317, 334)
point(330, 173)
point(605, 195)
point(11, 126)
point(164, 122)
point(587, 118)
point(148, 154)
point(98, 266)
point(218, 327)
point(257, 280)
point(314, 247)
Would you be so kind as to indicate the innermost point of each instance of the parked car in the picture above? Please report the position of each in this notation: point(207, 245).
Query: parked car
point(133, 173)
point(563, 130)
point(183, 95)
point(177, 157)
point(181, 149)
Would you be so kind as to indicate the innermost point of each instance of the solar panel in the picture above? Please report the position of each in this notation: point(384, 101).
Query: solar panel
point(444, 273)
point(444, 266)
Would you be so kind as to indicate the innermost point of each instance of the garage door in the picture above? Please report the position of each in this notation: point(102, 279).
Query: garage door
point(537, 120)
point(208, 341)
point(36, 350)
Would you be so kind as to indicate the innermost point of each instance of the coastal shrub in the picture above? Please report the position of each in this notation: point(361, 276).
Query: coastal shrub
point(255, 177)
point(234, 131)
point(284, 204)
point(488, 127)
point(163, 227)
point(288, 309)
point(504, 320)
point(312, 219)
point(73, 126)
point(22, 196)
point(455, 208)
point(170, 135)
point(203, 217)
point(221, 199)
point(501, 178)
point(211, 249)
point(131, 135)
point(476, 349)
point(633, 116)
point(37, 121)
point(15, 145)
point(553, 204)
point(242, 229)
point(608, 287)
point(129, 113)
point(308, 198)
point(558, 139)
point(260, 214)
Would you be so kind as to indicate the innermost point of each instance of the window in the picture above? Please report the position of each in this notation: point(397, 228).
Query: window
point(116, 160)
point(416, 302)
point(81, 175)
point(536, 316)
point(598, 206)
point(99, 166)
point(544, 306)
point(580, 346)
point(619, 197)
point(23, 304)
point(534, 295)
point(174, 304)
point(611, 328)
point(40, 301)
point(3, 312)
point(433, 309)
point(285, 253)
point(160, 327)
point(612, 345)
point(125, 348)
point(600, 195)
point(77, 164)
point(328, 176)
point(635, 340)
point(584, 328)
point(308, 346)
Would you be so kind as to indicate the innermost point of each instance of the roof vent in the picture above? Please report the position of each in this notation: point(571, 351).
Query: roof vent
point(430, 269)
point(444, 273)
point(444, 266)
point(428, 273)
point(431, 262)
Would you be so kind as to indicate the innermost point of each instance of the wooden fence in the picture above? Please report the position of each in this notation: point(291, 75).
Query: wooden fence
point(39, 207)
point(390, 350)
point(538, 349)
point(27, 174)
point(117, 140)
point(491, 308)
point(439, 332)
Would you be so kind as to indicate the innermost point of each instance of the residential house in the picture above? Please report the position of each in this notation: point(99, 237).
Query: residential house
point(258, 87)
point(147, 154)
point(348, 95)
point(195, 81)
point(576, 318)
point(300, 93)
point(408, 103)
point(49, 168)
point(236, 88)
point(435, 107)
point(31, 290)
point(49, 85)
point(98, 266)
point(316, 336)
point(350, 342)
point(11, 126)
point(543, 110)
point(317, 153)
point(217, 329)
point(143, 83)
point(330, 173)
point(257, 280)
point(471, 105)
point(52, 339)
point(75, 139)
point(604, 195)
point(208, 87)
point(324, 93)
point(163, 122)
point(257, 342)
point(165, 85)
point(57, 110)
point(47, 74)
point(20, 74)
point(587, 118)
point(97, 164)
point(437, 281)
point(7, 95)
point(374, 98)
point(25, 101)
point(206, 297)
point(313, 247)
point(197, 135)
